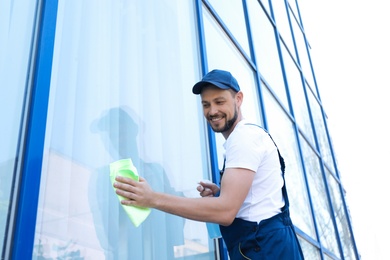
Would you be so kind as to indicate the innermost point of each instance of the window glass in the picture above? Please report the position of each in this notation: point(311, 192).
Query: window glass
point(222, 54)
point(112, 97)
point(322, 137)
point(320, 202)
point(232, 15)
point(266, 5)
point(267, 57)
point(282, 23)
point(297, 96)
point(327, 257)
point(293, 7)
point(16, 32)
point(341, 217)
point(302, 52)
point(309, 251)
point(282, 131)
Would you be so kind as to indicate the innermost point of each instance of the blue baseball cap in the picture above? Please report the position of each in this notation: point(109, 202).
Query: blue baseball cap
point(219, 78)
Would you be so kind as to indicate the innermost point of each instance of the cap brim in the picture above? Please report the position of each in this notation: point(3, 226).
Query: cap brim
point(197, 88)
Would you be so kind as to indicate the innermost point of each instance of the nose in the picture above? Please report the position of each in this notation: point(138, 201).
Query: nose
point(213, 110)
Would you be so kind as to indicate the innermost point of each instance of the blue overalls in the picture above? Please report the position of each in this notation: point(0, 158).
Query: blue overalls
point(273, 238)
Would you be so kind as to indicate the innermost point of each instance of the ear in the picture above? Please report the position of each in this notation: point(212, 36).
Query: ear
point(239, 98)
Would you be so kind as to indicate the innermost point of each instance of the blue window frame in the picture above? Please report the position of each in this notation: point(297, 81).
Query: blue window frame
point(32, 161)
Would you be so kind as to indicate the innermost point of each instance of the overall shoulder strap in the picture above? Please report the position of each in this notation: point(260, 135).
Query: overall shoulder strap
point(282, 167)
point(281, 159)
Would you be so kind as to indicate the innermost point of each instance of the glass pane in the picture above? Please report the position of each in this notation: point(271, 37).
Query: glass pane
point(293, 8)
point(341, 217)
point(320, 131)
point(266, 5)
point(282, 23)
point(327, 257)
point(267, 57)
point(232, 15)
point(309, 251)
point(297, 96)
point(16, 29)
point(282, 131)
point(113, 97)
point(320, 202)
point(303, 55)
point(222, 54)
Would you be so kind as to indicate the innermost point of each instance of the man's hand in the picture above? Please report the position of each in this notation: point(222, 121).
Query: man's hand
point(207, 189)
point(137, 193)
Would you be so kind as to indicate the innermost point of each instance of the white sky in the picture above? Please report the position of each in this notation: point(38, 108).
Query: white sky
point(350, 43)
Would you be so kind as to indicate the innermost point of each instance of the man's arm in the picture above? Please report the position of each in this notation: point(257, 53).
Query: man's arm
point(235, 186)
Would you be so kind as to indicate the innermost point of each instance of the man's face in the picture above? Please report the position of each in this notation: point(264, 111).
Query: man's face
point(219, 108)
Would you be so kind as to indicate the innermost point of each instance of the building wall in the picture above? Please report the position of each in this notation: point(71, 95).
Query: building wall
point(109, 80)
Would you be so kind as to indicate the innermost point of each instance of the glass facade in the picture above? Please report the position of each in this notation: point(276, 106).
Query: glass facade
point(109, 80)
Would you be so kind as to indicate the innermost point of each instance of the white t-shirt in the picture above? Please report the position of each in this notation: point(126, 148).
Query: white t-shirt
point(250, 147)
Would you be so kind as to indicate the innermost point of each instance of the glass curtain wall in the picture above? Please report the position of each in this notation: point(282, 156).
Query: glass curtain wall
point(16, 34)
point(121, 88)
point(265, 39)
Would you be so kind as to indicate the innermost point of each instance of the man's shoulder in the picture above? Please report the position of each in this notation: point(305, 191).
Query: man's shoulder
point(246, 132)
point(248, 127)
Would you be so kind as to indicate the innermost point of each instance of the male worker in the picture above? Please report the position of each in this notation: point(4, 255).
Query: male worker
point(251, 206)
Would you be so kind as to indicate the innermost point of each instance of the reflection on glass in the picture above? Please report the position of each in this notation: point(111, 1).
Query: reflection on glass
point(282, 131)
point(341, 217)
point(267, 57)
point(320, 202)
point(112, 97)
point(16, 30)
point(322, 137)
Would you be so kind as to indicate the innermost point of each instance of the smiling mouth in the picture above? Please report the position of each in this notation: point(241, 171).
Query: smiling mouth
point(214, 119)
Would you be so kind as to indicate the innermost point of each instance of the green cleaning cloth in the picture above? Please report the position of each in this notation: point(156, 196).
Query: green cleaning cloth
point(125, 168)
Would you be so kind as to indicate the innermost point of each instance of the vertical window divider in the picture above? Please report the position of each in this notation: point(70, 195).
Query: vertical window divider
point(16, 179)
point(221, 249)
point(27, 202)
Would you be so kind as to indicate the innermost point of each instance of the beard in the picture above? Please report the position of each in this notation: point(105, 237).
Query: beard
point(228, 124)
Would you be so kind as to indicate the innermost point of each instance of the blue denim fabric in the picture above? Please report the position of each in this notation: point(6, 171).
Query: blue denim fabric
point(273, 238)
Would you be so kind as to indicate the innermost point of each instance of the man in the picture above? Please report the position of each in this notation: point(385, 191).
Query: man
point(251, 206)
